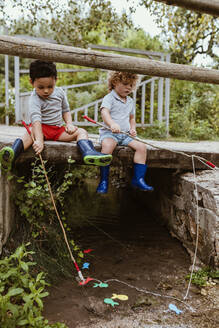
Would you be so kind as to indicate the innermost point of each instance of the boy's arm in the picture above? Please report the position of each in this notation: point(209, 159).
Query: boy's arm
point(38, 144)
point(108, 120)
point(132, 126)
point(70, 128)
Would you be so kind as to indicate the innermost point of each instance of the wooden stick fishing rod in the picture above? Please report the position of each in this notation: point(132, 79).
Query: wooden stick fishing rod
point(203, 160)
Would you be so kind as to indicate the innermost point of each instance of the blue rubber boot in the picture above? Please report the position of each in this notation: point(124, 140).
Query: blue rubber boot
point(91, 156)
point(9, 154)
point(104, 180)
point(138, 178)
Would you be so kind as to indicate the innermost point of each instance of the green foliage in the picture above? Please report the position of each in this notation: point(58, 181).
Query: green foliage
point(194, 113)
point(139, 39)
point(188, 33)
point(10, 109)
point(21, 295)
point(157, 131)
point(69, 22)
point(35, 205)
point(203, 276)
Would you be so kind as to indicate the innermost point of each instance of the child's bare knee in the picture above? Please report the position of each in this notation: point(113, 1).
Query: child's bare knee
point(82, 133)
point(108, 147)
point(142, 148)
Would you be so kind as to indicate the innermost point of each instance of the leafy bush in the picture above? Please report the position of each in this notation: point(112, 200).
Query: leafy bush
point(21, 294)
point(35, 206)
point(157, 131)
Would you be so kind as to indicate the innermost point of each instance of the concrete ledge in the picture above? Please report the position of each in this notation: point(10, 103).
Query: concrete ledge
point(157, 158)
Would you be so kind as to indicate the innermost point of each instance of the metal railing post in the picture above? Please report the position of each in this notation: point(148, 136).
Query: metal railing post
point(167, 98)
point(152, 102)
point(17, 88)
point(143, 103)
point(6, 89)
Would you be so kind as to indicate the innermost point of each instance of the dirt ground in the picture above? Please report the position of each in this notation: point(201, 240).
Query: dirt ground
point(136, 256)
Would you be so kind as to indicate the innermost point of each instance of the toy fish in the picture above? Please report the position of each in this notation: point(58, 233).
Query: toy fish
point(110, 301)
point(88, 250)
point(86, 265)
point(173, 307)
point(101, 285)
point(120, 297)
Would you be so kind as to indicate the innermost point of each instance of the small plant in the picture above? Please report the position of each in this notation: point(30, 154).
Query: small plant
point(21, 295)
point(43, 228)
point(202, 277)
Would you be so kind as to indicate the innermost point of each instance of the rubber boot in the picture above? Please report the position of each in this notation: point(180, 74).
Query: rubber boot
point(91, 156)
point(104, 180)
point(138, 178)
point(8, 155)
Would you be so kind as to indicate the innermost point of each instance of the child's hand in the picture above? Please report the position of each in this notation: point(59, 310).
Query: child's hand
point(70, 128)
point(115, 128)
point(133, 132)
point(38, 146)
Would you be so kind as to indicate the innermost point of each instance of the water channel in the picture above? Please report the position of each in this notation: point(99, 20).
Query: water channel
point(132, 247)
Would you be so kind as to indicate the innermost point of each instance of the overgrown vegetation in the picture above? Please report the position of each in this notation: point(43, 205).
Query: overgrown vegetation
point(41, 225)
point(22, 294)
point(203, 277)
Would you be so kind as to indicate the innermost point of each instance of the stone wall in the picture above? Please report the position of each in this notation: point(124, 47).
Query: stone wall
point(176, 203)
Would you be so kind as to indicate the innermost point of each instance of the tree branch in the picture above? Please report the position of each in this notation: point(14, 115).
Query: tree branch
point(210, 7)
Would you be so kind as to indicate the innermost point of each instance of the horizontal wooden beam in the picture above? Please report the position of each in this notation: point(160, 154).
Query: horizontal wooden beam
point(210, 7)
point(14, 46)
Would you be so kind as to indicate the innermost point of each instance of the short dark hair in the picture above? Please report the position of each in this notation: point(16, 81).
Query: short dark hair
point(39, 68)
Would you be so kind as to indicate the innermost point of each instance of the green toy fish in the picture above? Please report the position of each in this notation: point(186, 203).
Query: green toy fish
point(101, 285)
point(120, 297)
point(110, 301)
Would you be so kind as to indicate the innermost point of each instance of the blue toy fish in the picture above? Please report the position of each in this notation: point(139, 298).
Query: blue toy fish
point(101, 285)
point(110, 301)
point(173, 307)
point(86, 265)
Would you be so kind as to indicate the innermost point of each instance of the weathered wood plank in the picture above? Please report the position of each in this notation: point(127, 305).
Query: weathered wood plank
point(70, 55)
point(157, 158)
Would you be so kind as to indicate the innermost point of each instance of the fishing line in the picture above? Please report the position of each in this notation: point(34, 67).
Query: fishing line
point(197, 229)
point(203, 161)
point(105, 233)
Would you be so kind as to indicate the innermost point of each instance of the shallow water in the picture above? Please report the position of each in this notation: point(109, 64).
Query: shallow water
point(134, 250)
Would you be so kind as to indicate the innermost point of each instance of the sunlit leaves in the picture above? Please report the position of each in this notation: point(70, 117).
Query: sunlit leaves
point(188, 33)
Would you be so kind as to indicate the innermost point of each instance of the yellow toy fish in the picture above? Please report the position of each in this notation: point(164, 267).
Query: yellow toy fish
point(120, 297)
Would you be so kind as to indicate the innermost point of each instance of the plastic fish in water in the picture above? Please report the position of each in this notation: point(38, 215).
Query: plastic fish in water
point(86, 251)
point(173, 307)
point(120, 297)
point(86, 265)
point(110, 301)
point(101, 285)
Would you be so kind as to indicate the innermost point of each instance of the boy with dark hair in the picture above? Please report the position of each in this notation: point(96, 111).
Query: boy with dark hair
point(48, 107)
point(117, 110)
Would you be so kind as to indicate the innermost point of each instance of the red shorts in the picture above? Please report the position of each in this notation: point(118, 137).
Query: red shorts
point(52, 132)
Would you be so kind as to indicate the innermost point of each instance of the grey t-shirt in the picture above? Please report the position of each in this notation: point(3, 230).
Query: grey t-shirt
point(48, 111)
point(120, 111)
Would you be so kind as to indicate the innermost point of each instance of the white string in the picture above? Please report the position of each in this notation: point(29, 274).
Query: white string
point(147, 292)
point(197, 229)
